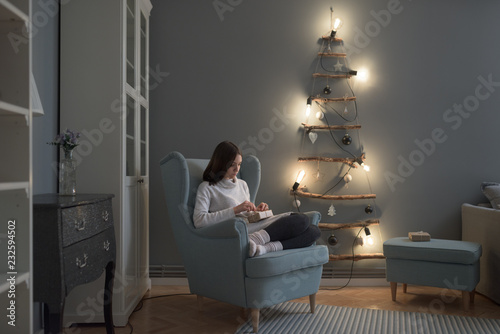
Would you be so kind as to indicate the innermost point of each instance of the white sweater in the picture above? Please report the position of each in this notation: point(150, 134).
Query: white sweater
point(215, 204)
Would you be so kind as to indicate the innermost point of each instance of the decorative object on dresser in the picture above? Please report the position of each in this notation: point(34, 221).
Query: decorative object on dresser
point(73, 242)
point(67, 140)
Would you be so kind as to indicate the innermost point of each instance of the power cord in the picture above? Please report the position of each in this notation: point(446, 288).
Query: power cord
point(352, 263)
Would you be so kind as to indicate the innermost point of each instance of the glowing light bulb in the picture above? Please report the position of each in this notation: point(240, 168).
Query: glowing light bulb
point(362, 75)
point(368, 238)
point(308, 106)
point(299, 178)
point(337, 24)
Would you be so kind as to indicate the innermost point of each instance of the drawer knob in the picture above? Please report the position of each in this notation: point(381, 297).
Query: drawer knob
point(106, 245)
point(80, 226)
point(105, 215)
point(80, 263)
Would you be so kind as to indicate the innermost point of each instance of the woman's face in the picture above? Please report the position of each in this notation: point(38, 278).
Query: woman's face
point(234, 168)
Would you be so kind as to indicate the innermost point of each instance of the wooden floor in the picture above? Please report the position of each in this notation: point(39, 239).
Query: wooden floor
point(164, 311)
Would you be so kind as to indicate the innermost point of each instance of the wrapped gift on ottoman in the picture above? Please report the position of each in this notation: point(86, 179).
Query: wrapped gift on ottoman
point(419, 236)
point(440, 263)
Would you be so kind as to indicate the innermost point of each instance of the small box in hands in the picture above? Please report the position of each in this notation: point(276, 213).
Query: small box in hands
point(255, 216)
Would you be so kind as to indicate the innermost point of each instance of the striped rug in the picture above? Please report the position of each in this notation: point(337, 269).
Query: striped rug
point(296, 318)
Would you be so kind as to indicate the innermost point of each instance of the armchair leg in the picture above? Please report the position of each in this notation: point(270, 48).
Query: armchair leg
point(312, 302)
point(468, 298)
point(255, 319)
point(200, 302)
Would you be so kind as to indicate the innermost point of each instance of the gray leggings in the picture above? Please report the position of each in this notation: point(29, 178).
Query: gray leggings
point(294, 231)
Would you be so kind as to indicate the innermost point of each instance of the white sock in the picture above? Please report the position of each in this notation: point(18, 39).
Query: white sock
point(260, 237)
point(268, 248)
point(252, 248)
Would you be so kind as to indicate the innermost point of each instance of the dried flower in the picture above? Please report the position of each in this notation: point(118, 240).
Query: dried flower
point(68, 140)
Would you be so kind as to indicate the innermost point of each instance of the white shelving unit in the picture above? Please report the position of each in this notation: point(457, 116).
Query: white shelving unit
point(15, 169)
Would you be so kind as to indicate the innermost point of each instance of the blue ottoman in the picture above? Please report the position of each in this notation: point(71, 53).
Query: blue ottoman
point(440, 263)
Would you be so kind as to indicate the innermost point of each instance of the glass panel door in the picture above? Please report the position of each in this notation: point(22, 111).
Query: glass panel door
point(143, 142)
point(130, 137)
point(143, 41)
point(131, 43)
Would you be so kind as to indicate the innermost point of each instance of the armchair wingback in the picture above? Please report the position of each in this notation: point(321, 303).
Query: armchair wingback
point(216, 257)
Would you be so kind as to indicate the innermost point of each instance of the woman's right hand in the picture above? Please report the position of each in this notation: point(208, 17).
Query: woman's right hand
point(245, 206)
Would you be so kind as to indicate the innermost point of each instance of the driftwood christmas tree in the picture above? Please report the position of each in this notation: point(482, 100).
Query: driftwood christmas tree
point(331, 118)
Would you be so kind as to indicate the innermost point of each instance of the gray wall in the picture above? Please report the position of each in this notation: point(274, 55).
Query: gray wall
point(45, 45)
point(242, 72)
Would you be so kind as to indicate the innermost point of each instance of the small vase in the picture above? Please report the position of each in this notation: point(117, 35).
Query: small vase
point(67, 174)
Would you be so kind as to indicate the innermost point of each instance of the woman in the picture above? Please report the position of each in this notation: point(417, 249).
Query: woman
point(222, 196)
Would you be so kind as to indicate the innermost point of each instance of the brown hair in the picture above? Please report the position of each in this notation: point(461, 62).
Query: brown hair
point(222, 158)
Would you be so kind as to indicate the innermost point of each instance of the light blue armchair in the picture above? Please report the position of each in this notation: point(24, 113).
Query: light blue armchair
point(216, 257)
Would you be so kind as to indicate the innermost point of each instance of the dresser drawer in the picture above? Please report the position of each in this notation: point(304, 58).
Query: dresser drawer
point(84, 221)
point(85, 261)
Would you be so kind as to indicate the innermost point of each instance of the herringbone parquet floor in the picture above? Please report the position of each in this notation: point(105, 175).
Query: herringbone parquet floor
point(171, 309)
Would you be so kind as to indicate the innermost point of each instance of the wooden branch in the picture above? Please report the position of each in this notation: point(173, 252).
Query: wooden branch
point(347, 161)
point(332, 54)
point(332, 39)
point(332, 76)
point(357, 257)
point(301, 193)
point(331, 127)
point(334, 99)
point(342, 226)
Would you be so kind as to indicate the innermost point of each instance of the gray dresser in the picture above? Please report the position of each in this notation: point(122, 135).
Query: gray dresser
point(73, 243)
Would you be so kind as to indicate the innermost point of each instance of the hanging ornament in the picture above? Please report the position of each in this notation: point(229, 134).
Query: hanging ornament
point(332, 240)
point(327, 90)
point(296, 203)
point(346, 110)
point(346, 140)
point(313, 136)
point(369, 209)
point(318, 175)
point(331, 211)
point(347, 178)
point(338, 66)
point(329, 47)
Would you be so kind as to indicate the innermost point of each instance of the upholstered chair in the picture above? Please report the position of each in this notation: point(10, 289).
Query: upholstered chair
point(216, 257)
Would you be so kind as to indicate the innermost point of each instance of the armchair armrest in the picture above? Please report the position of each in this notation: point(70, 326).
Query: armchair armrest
point(314, 217)
point(231, 228)
point(479, 218)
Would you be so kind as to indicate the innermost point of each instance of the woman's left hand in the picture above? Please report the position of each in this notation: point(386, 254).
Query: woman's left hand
point(262, 207)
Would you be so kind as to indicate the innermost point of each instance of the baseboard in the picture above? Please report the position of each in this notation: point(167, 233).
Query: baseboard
point(326, 282)
point(169, 281)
